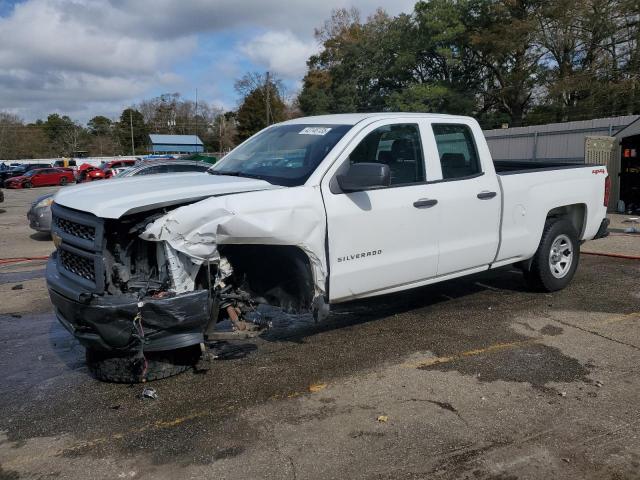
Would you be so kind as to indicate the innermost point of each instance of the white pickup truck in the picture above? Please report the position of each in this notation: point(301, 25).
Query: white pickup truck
point(305, 214)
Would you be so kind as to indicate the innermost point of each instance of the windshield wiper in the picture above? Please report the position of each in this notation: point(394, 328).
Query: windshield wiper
point(218, 172)
point(239, 174)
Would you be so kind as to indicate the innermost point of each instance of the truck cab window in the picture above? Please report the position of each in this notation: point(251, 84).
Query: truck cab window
point(396, 145)
point(457, 151)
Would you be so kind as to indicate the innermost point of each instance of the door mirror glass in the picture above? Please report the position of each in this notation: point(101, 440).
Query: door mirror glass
point(365, 176)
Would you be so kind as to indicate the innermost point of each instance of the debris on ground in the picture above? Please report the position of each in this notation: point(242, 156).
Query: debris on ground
point(383, 418)
point(598, 383)
point(632, 229)
point(19, 286)
point(316, 387)
point(149, 393)
point(562, 394)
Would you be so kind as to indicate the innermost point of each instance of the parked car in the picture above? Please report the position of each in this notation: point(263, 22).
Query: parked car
point(66, 163)
point(306, 214)
point(19, 170)
point(9, 171)
point(3, 169)
point(112, 167)
point(153, 167)
point(89, 173)
point(41, 177)
point(39, 215)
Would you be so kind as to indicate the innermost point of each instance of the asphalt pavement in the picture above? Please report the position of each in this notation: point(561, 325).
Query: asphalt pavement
point(476, 378)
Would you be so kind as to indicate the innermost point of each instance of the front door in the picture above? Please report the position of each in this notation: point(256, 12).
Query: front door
point(382, 238)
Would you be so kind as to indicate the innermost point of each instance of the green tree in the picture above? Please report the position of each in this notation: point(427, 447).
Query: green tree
point(397, 63)
point(100, 126)
point(132, 119)
point(65, 135)
point(258, 92)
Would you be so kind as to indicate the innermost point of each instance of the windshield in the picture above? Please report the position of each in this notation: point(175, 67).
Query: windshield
point(283, 155)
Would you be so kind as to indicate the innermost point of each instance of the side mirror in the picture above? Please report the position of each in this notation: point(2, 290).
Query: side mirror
point(365, 176)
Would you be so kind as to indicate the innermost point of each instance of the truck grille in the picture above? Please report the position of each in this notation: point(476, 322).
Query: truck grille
point(78, 265)
point(85, 232)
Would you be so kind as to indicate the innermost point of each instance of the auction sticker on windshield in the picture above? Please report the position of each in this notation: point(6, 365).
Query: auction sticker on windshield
point(314, 131)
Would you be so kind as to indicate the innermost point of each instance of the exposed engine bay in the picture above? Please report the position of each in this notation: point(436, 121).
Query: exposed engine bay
point(240, 279)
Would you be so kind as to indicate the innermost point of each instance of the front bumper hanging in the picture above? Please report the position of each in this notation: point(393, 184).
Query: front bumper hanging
point(106, 322)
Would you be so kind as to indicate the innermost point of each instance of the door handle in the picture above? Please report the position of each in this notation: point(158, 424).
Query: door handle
point(486, 195)
point(425, 203)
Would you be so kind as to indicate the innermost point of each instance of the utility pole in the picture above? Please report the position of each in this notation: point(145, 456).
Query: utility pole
point(196, 119)
point(133, 147)
point(268, 103)
point(220, 125)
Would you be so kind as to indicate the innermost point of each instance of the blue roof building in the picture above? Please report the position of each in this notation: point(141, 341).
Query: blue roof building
point(176, 144)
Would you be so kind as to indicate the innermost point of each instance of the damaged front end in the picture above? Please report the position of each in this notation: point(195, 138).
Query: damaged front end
point(116, 290)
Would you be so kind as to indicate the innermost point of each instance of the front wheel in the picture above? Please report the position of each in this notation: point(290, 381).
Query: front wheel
point(111, 367)
point(27, 185)
point(557, 257)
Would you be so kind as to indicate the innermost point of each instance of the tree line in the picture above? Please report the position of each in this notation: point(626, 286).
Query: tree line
point(505, 62)
point(59, 135)
point(515, 62)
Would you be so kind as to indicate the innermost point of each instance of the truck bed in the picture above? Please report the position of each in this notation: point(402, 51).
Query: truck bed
point(508, 167)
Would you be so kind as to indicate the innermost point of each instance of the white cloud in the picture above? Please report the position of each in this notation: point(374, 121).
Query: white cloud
point(280, 52)
point(84, 57)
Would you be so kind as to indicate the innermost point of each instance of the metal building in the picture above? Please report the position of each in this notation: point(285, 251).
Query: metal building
point(176, 143)
point(613, 141)
point(627, 157)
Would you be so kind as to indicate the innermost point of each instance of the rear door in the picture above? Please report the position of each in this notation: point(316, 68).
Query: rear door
point(385, 238)
point(468, 195)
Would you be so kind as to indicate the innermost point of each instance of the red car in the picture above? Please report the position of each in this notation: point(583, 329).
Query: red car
point(89, 173)
point(111, 168)
point(41, 177)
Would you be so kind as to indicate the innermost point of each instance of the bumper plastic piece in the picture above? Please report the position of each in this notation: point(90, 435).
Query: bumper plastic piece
point(603, 231)
point(106, 322)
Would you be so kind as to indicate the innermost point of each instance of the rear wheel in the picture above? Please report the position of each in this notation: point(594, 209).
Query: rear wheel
point(557, 257)
point(63, 181)
point(110, 367)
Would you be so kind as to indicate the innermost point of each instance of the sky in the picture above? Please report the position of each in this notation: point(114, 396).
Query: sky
point(96, 57)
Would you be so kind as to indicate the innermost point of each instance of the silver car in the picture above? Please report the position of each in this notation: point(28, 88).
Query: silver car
point(39, 214)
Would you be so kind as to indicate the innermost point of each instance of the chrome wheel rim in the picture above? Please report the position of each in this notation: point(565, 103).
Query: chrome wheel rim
point(561, 256)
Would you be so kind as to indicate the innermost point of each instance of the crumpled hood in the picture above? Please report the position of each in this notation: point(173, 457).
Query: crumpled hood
point(117, 197)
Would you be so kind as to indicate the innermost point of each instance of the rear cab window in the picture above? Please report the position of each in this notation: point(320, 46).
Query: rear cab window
point(457, 151)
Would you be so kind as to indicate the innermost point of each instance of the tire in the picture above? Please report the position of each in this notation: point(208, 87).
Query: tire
point(63, 181)
point(109, 367)
point(27, 185)
point(556, 259)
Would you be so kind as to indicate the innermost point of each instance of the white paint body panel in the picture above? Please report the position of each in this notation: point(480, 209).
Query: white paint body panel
point(460, 235)
point(528, 197)
point(116, 197)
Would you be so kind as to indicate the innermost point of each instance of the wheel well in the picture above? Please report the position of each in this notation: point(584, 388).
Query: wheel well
point(576, 214)
point(281, 275)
